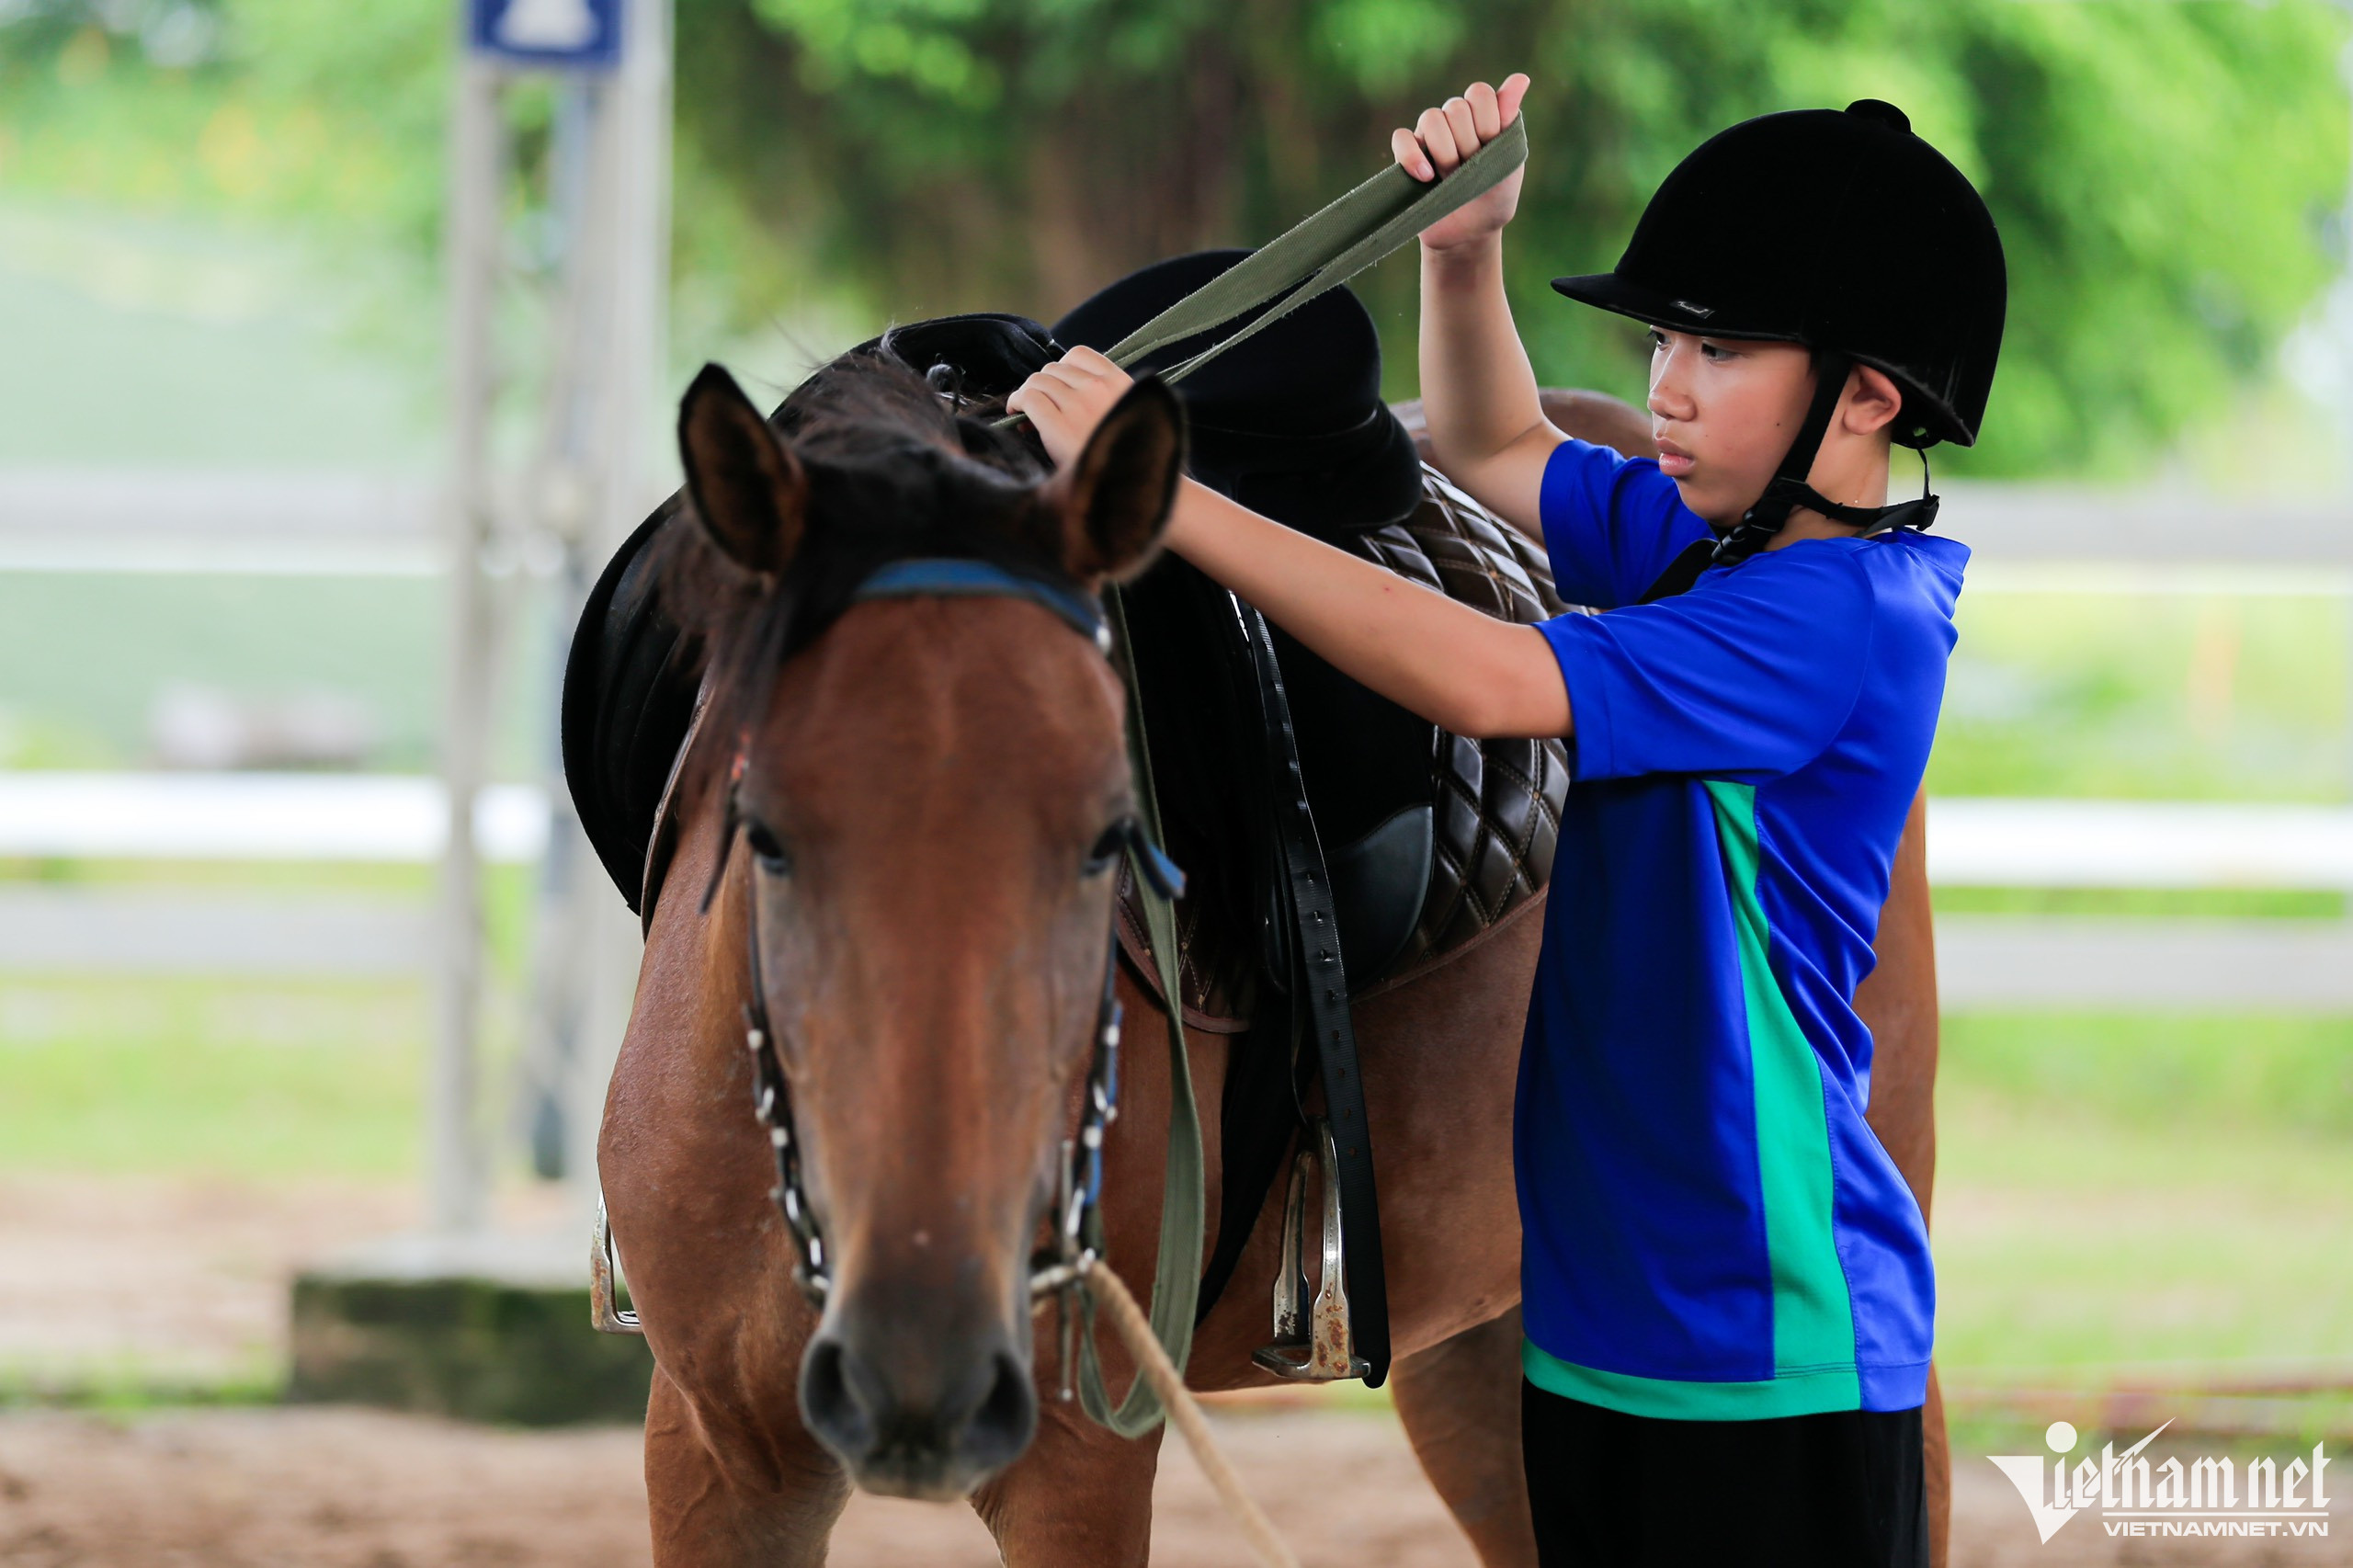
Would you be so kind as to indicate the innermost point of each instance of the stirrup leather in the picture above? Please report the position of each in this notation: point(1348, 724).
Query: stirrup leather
point(1313, 1345)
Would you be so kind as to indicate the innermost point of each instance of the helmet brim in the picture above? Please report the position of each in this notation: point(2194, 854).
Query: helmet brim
point(1934, 421)
point(1655, 307)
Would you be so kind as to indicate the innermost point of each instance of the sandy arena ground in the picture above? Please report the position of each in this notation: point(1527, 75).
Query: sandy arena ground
point(362, 1489)
point(177, 1279)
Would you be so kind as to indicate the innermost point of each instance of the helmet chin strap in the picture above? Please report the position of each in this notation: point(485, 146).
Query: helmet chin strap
point(1789, 489)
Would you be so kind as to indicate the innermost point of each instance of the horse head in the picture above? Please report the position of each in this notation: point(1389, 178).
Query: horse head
point(929, 794)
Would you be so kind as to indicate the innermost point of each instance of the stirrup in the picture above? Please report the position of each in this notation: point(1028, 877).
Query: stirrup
point(1313, 1345)
point(605, 1313)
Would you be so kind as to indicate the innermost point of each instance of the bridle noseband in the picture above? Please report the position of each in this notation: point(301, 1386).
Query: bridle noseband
point(1077, 1223)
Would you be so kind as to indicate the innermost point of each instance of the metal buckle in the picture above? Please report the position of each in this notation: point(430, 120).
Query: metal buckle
point(1313, 1345)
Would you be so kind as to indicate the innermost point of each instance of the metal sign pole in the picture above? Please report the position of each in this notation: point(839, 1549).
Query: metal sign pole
point(455, 1165)
point(597, 487)
point(638, 215)
point(586, 485)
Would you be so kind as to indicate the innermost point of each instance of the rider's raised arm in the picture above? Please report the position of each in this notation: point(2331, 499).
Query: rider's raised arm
point(1479, 398)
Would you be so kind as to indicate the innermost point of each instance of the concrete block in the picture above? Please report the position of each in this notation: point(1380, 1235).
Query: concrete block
point(486, 1328)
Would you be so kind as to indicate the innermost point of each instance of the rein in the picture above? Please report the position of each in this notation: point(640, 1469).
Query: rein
point(1066, 1266)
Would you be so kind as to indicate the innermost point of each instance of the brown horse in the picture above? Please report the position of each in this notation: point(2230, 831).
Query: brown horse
point(916, 850)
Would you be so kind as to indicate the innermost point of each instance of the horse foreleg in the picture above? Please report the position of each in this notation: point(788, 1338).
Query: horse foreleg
point(1079, 1497)
point(757, 1504)
point(1459, 1402)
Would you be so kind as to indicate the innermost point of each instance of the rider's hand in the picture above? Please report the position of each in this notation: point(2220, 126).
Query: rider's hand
point(1443, 137)
point(1067, 399)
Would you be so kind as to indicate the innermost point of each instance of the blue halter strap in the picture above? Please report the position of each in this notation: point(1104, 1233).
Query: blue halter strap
point(953, 576)
point(956, 577)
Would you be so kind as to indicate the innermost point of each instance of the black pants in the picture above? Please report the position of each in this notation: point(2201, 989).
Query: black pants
point(1844, 1489)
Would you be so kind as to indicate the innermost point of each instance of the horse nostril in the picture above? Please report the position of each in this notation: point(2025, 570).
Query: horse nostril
point(914, 1425)
point(1007, 1416)
point(831, 1402)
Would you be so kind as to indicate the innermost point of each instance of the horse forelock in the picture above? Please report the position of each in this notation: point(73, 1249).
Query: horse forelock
point(896, 471)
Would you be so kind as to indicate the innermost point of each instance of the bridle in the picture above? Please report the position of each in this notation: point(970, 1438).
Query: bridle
point(1078, 1237)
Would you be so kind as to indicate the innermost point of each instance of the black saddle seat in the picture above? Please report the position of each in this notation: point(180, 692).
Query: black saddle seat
point(1290, 424)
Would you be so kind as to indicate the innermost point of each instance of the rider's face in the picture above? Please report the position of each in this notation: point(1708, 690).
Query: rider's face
point(1723, 411)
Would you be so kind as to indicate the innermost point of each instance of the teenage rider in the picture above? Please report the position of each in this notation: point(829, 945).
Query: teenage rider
point(1727, 1289)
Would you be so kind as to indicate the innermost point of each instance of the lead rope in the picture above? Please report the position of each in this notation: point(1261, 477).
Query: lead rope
point(1184, 1411)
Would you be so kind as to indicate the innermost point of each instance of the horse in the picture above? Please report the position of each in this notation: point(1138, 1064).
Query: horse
point(902, 814)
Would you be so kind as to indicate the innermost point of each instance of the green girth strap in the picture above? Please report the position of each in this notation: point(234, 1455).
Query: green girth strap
point(1321, 250)
point(1176, 1278)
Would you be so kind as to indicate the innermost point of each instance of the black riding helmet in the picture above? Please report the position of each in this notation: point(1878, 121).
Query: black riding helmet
point(1842, 231)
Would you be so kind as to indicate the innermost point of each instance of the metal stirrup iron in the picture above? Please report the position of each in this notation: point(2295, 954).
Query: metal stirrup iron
point(1312, 1345)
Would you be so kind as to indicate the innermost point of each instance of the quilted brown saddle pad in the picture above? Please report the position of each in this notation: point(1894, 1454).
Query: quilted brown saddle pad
point(1495, 803)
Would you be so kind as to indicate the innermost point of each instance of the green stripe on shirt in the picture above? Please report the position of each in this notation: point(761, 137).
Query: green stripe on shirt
point(1813, 1321)
point(1793, 1394)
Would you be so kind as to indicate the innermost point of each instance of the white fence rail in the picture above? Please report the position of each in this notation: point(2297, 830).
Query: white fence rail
point(2144, 965)
point(256, 816)
point(1984, 960)
point(67, 930)
point(1980, 842)
point(325, 524)
point(335, 523)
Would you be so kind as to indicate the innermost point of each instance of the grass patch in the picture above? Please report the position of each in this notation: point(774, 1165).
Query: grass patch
point(2237, 1082)
point(2202, 904)
point(284, 1081)
point(2207, 696)
point(2142, 1189)
point(2112, 1190)
point(130, 1389)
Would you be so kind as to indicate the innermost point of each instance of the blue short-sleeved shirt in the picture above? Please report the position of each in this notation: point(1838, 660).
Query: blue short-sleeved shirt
point(1712, 1232)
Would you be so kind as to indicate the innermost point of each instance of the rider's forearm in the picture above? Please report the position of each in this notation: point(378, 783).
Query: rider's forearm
point(1465, 672)
point(1478, 388)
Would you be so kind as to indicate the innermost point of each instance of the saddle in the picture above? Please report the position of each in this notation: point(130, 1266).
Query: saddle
point(1433, 841)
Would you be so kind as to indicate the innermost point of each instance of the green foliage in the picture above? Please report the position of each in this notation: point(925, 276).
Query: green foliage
point(329, 115)
point(2166, 176)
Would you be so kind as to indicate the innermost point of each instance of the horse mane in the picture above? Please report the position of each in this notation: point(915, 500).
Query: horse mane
point(898, 466)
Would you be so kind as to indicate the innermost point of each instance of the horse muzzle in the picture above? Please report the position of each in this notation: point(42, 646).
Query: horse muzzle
point(930, 1416)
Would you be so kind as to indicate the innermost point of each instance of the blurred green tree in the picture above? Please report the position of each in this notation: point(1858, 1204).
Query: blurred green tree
point(2169, 178)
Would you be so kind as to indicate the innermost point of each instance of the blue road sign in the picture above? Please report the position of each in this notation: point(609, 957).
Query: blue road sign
point(578, 34)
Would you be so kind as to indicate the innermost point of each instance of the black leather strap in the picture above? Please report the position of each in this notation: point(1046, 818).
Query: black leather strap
point(1319, 994)
point(1683, 571)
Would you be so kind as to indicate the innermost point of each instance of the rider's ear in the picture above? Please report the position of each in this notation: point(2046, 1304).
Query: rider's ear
point(1116, 494)
point(1873, 400)
point(747, 487)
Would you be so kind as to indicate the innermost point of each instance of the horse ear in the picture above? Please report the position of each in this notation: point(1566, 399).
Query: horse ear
point(750, 490)
point(1116, 496)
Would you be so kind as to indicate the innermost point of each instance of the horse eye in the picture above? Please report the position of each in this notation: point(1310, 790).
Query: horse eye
point(1108, 849)
point(772, 856)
